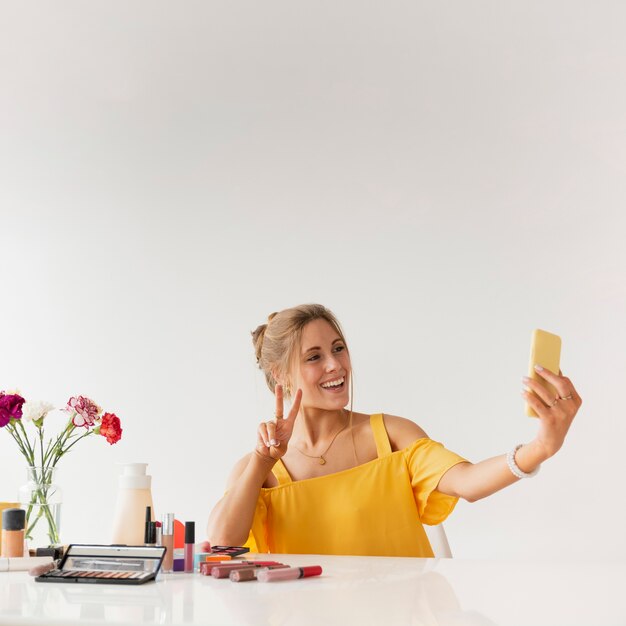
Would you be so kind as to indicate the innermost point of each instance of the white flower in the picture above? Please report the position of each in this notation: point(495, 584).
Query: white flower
point(35, 410)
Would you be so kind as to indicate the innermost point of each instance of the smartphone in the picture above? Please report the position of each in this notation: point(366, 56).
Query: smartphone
point(545, 350)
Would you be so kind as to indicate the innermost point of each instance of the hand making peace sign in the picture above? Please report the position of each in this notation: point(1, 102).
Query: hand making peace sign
point(273, 436)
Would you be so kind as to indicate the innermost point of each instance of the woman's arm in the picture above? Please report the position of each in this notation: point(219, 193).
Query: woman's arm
point(231, 519)
point(474, 481)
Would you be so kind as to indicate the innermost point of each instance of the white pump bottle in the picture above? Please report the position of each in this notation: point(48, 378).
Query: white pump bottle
point(129, 520)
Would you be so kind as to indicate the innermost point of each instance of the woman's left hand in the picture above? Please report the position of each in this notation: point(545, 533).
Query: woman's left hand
point(555, 414)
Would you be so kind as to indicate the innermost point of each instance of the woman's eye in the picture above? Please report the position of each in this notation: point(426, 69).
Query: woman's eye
point(340, 348)
point(313, 358)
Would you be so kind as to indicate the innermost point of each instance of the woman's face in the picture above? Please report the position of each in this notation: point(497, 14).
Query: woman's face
point(322, 368)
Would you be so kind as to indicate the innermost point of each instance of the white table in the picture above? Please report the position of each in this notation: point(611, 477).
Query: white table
point(352, 590)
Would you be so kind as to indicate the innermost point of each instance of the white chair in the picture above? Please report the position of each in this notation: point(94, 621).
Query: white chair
point(438, 541)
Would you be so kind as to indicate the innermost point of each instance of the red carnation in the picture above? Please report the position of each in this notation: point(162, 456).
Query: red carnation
point(111, 428)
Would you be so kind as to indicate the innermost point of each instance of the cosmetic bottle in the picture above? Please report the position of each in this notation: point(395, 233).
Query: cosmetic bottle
point(190, 538)
point(3, 507)
point(148, 525)
point(134, 495)
point(167, 538)
point(13, 522)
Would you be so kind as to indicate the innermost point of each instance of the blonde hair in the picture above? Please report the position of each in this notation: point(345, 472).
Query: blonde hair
point(277, 342)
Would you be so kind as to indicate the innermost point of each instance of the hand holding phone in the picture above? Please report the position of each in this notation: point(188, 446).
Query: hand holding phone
point(545, 350)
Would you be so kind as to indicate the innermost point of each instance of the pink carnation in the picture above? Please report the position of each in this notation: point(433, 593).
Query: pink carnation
point(86, 411)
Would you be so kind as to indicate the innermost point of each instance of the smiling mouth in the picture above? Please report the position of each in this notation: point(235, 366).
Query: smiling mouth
point(331, 385)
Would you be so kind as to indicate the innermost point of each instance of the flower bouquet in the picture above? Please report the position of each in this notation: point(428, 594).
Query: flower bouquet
point(41, 496)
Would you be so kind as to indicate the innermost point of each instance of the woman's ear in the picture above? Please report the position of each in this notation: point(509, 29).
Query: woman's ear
point(276, 375)
point(282, 380)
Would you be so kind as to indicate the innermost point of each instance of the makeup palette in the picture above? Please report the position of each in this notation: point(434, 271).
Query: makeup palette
point(119, 565)
point(230, 551)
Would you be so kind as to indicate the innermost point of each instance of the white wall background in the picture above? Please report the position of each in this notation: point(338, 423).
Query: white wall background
point(444, 176)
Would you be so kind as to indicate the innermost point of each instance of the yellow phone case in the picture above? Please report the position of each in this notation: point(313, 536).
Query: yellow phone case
point(545, 350)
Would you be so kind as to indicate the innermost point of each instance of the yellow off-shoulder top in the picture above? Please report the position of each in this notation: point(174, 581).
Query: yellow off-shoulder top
point(373, 509)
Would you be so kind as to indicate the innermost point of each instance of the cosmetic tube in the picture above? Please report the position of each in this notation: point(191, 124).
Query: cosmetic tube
point(249, 573)
point(271, 575)
point(207, 566)
point(243, 575)
point(167, 537)
point(23, 564)
point(222, 571)
point(190, 538)
point(13, 523)
point(146, 530)
point(150, 534)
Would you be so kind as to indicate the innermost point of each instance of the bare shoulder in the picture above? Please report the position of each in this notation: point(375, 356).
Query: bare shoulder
point(237, 470)
point(402, 432)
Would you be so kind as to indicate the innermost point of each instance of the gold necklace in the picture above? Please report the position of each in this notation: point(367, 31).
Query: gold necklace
point(322, 460)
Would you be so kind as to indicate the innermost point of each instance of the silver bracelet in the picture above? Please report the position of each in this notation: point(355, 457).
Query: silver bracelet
point(515, 470)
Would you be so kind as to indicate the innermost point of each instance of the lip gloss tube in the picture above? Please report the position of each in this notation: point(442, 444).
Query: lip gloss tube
point(291, 573)
point(168, 541)
point(190, 538)
point(249, 573)
point(222, 571)
point(205, 567)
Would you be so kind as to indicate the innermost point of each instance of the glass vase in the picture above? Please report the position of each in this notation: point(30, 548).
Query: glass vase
point(41, 498)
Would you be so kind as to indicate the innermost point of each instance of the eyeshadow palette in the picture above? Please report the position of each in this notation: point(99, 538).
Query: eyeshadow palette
point(229, 550)
point(123, 565)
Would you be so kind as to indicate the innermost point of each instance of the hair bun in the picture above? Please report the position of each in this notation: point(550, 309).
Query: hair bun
point(257, 340)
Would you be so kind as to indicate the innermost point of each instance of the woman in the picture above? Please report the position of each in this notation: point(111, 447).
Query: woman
point(326, 480)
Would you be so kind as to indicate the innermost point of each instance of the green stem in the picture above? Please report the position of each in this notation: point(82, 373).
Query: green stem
point(40, 430)
point(40, 497)
point(28, 445)
point(29, 457)
point(89, 432)
point(57, 448)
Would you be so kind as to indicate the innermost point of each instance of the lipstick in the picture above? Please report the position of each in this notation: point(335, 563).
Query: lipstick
point(291, 573)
